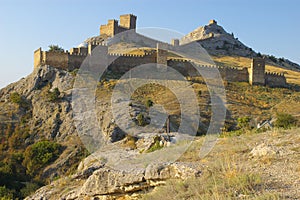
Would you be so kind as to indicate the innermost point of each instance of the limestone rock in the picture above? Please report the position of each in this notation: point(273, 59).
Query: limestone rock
point(110, 183)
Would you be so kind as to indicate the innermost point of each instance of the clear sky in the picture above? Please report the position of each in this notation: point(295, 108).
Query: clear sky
point(267, 26)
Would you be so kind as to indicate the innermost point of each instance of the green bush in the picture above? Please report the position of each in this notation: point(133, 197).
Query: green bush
point(156, 146)
point(5, 194)
point(55, 48)
point(149, 103)
point(273, 58)
point(284, 120)
point(53, 96)
point(16, 98)
point(29, 189)
point(141, 119)
point(244, 122)
point(39, 155)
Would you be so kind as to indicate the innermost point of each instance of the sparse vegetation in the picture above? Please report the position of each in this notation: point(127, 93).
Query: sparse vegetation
point(156, 146)
point(284, 120)
point(54, 95)
point(55, 48)
point(19, 99)
point(141, 119)
point(244, 122)
point(130, 142)
point(273, 58)
point(223, 180)
point(16, 98)
point(149, 103)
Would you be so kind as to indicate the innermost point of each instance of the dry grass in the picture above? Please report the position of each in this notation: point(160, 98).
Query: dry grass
point(224, 179)
point(229, 172)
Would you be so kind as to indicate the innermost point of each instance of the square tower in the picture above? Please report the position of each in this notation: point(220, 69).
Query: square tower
point(257, 72)
point(110, 29)
point(128, 21)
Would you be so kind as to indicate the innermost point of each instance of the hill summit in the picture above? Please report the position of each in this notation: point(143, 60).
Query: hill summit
point(217, 41)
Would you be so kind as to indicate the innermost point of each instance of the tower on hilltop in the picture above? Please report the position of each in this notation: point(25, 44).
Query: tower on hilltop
point(127, 22)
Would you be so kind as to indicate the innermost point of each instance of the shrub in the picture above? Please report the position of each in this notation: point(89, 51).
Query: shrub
point(40, 154)
point(19, 99)
point(149, 103)
point(16, 98)
point(284, 120)
point(156, 146)
point(5, 194)
point(55, 48)
point(53, 96)
point(141, 119)
point(281, 59)
point(244, 122)
point(130, 142)
point(29, 189)
point(273, 58)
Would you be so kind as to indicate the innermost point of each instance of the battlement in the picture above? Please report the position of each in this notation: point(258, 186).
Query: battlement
point(127, 22)
point(274, 74)
point(123, 62)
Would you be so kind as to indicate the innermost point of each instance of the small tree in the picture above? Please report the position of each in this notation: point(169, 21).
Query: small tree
point(40, 154)
point(259, 55)
point(285, 121)
point(55, 48)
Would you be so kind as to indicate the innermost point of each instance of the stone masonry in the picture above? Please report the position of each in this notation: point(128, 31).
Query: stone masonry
point(121, 63)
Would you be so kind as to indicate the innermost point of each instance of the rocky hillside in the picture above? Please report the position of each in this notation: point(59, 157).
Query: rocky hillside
point(37, 119)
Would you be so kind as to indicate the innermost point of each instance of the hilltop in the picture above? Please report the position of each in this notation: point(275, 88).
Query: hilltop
point(227, 50)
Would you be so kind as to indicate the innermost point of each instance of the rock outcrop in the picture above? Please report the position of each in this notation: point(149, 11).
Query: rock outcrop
point(217, 41)
point(103, 182)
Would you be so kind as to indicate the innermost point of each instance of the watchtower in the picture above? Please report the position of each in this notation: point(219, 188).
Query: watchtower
point(128, 21)
point(257, 72)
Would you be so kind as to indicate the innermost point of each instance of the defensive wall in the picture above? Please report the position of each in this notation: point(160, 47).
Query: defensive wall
point(121, 63)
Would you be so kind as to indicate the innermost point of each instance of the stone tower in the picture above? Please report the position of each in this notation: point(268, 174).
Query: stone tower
point(257, 72)
point(128, 21)
point(175, 42)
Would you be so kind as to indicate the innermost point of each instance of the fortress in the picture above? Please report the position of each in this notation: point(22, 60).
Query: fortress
point(121, 63)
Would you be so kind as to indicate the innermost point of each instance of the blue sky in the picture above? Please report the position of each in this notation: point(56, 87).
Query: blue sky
point(267, 26)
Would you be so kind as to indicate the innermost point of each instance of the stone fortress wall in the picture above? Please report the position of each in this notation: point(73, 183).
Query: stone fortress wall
point(121, 63)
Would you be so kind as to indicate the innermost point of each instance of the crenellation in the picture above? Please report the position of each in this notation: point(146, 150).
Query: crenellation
point(122, 62)
point(127, 22)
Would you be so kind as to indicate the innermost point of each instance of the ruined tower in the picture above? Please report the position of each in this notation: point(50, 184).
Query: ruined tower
point(127, 22)
point(257, 72)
